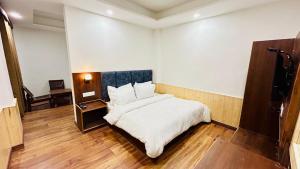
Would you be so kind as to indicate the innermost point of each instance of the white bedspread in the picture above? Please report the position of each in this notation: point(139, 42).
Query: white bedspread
point(158, 120)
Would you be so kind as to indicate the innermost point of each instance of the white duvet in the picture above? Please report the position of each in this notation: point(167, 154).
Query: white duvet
point(158, 120)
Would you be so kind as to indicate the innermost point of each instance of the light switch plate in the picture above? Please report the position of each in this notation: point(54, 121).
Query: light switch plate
point(88, 94)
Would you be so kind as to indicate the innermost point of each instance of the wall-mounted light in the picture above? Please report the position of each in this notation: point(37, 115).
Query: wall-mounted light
point(87, 78)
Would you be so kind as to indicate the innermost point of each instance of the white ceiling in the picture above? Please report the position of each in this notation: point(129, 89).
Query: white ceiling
point(49, 13)
point(159, 5)
point(34, 10)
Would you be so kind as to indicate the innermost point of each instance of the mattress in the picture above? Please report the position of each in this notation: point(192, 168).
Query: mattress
point(158, 120)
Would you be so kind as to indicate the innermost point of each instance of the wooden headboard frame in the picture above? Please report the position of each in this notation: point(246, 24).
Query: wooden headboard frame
point(100, 81)
point(80, 86)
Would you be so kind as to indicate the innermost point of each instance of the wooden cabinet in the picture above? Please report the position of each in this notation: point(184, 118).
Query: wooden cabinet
point(260, 108)
point(5, 142)
point(11, 132)
point(92, 116)
point(12, 60)
point(266, 90)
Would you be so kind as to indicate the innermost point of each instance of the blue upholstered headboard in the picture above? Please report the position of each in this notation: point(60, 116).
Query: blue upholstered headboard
point(120, 78)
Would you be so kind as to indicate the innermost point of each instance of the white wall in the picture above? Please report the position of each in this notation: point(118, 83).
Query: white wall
point(6, 96)
point(213, 54)
point(98, 43)
point(42, 56)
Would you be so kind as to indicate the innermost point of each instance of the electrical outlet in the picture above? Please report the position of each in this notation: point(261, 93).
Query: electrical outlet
point(88, 94)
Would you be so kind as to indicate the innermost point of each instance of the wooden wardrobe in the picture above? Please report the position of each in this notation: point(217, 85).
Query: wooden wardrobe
point(12, 60)
point(262, 110)
point(11, 129)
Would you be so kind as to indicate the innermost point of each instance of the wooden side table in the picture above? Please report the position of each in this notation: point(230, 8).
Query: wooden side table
point(92, 116)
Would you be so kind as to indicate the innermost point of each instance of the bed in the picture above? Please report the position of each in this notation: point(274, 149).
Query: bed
point(154, 121)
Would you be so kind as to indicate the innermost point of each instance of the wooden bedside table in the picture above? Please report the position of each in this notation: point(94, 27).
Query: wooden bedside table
point(92, 116)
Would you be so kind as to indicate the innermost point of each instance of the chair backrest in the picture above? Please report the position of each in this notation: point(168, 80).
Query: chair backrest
point(56, 84)
point(28, 93)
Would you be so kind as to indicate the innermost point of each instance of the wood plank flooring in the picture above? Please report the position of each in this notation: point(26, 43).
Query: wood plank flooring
point(226, 155)
point(255, 142)
point(51, 140)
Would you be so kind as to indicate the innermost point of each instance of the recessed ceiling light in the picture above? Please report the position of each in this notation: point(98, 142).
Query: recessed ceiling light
point(109, 12)
point(196, 15)
point(15, 15)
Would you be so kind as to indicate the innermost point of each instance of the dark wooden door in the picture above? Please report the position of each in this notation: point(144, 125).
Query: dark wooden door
point(260, 113)
point(12, 60)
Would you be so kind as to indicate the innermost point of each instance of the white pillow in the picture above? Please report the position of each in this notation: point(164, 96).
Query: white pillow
point(144, 90)
point(121, 95)
point(149, 82)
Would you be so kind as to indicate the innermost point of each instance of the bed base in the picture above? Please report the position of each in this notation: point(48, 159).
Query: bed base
point(141, 146)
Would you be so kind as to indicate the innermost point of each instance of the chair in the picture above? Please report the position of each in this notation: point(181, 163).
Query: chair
point(30, 99)
point(60, 99)
point(56, 84)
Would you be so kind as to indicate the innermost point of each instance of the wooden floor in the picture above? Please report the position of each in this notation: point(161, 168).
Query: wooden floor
point(227, 155)
point(51, 140)
point(256, 143)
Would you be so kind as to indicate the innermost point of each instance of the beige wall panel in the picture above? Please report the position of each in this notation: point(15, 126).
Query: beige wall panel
point(5, 147)
point(14, 125)
point(295, 147)
point(296, 135)
point(11, 132)
point(224, 109)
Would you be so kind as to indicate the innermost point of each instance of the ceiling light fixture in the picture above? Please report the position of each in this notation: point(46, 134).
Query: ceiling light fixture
point(15, 15)
point(109, 12)
point(196, 15)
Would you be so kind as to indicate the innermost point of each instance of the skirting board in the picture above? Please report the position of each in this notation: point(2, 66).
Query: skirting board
point(224, 109)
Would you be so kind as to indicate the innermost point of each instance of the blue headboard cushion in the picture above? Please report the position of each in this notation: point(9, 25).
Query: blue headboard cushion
point(120, 78)
point(123, 78)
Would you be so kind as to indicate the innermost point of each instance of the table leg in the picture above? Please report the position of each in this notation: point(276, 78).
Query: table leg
point(70, 99)
point(52, 102)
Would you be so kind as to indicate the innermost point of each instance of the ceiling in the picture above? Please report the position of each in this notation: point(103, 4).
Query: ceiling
point(48, 14)
point(36, 13)
point(159, 5)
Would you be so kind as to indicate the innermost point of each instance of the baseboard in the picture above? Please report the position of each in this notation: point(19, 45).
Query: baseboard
point(224, 125)
point(18, 147)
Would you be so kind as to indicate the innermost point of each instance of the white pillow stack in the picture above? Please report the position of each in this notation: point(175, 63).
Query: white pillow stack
point(144, 90)
point(121, 95)
point(126, 94)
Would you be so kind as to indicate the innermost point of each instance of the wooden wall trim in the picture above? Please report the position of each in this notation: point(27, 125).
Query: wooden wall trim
point(224, 125)
point(294, 147)
point(224, 109)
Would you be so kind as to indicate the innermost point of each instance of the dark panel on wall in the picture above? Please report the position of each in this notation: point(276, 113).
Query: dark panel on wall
point(81, 86)
point(260, 112)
